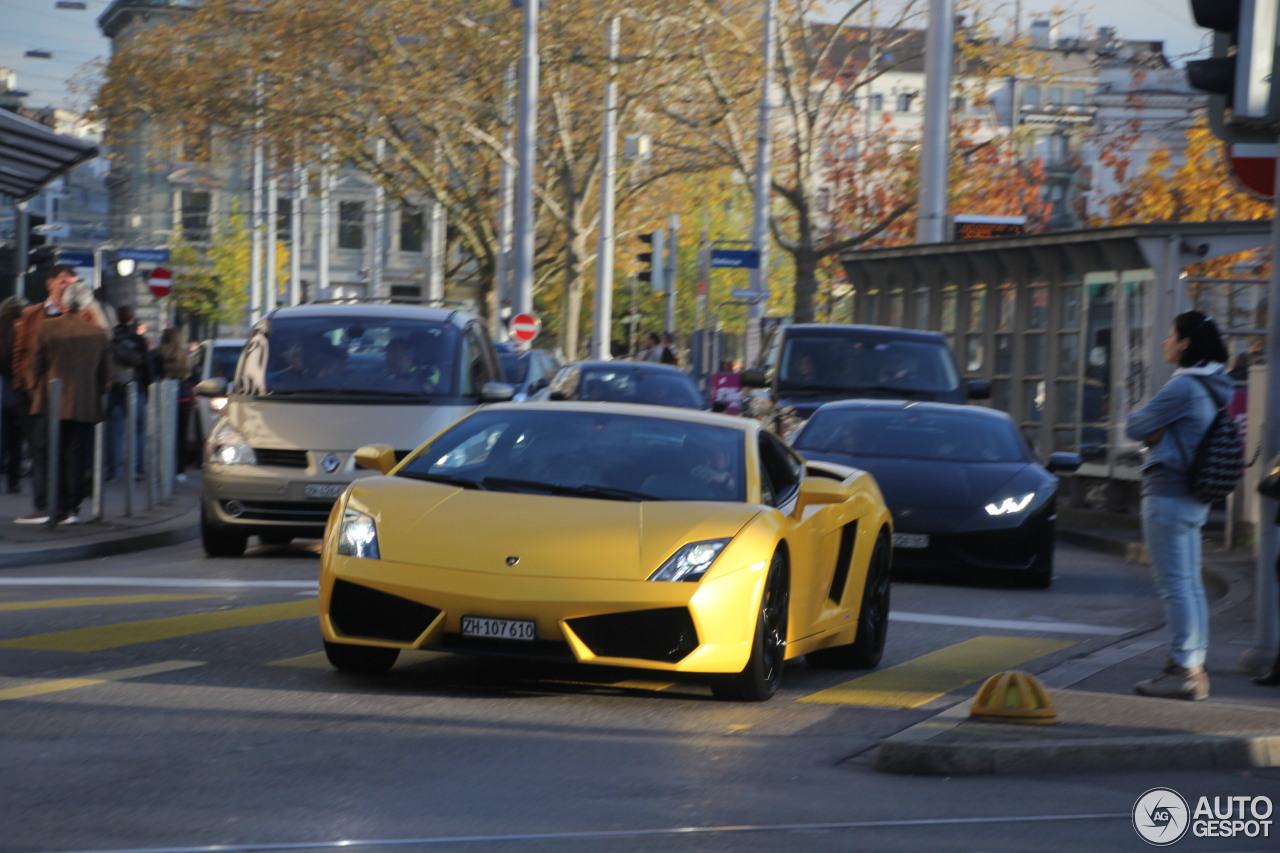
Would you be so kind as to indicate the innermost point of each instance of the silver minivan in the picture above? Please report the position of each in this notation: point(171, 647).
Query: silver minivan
point(315, 382)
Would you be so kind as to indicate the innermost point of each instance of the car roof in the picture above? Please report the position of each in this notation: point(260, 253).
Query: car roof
point(624, 364)
point(224, 342)
point(863, 404)
point(342, 308)
point(645, 410)
point(834, 329)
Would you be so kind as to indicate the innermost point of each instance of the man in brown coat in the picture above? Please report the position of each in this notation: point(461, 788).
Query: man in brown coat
point(74, 352)
point(59, 278)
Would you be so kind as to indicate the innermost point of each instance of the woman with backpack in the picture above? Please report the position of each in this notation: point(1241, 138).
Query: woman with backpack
point(1171, 425)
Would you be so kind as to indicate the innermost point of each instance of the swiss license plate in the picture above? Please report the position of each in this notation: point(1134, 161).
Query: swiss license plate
point(498, 629)
point(911, 540)
point(325, 490)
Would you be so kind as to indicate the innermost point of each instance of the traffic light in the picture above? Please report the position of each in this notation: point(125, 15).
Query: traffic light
point(1238, 77)
point(652, 270)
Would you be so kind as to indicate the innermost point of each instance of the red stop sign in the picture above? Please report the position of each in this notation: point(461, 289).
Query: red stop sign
point(525, 327)
point(160, 282)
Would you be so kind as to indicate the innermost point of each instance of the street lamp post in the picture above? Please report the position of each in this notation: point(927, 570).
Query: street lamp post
point(526, 151)
point(764, 183)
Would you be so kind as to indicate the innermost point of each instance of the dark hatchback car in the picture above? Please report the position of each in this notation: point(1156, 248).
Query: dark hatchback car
point(528, 371)
point(624, 382)
point(964, 489)
point(806, 365)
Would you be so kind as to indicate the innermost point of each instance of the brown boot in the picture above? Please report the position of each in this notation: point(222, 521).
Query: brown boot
point(1176, 682)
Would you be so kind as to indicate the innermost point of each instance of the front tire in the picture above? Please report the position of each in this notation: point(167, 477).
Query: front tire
point(363, 659)
point(218, 542)
point(762, 676)
point(867, 647)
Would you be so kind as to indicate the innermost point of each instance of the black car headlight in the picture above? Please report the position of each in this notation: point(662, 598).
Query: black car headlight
point(690, 562)
point(1011, 505)
point(359, 536)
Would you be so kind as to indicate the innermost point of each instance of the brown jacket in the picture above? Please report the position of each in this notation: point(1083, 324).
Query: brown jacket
point(24, 344)
point(69, 349)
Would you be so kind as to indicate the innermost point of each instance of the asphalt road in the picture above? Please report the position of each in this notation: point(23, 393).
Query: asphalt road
point(164, 701)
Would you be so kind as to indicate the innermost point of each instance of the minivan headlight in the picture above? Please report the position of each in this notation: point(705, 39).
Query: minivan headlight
point(228, 446)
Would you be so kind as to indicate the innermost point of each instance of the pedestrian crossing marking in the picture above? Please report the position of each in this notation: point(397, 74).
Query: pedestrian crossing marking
point(58, 685)
point(104, 637)
point(58, 603)
point(921, 680)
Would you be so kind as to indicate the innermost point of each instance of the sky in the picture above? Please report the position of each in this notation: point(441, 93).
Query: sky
point(73, 38)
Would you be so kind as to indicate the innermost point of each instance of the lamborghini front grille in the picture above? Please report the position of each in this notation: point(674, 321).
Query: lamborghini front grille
point(357, 611)
point(664, 635)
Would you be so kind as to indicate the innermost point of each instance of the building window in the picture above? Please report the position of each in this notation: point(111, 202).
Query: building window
point(412, 229)
point(284, 218)
point(351, 225)
point(1031, 96)
point(958, 104)
point(904, 102)
point(877, 103)
point(195, 215)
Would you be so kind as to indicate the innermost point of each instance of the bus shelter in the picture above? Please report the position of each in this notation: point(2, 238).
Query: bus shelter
point(1068, 327)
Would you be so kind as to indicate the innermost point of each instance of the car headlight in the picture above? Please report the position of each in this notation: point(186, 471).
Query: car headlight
point(217, 403)
point(691, 562)
point(228, 446)
point(359, 536)
point(1010, 505)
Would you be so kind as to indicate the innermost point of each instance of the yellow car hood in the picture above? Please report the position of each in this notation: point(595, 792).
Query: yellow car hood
point(547, 536)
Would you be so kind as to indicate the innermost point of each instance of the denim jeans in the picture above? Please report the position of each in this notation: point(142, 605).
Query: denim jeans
point(1171, 527)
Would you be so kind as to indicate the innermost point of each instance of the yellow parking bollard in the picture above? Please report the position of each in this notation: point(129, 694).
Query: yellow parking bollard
point(1013, 697)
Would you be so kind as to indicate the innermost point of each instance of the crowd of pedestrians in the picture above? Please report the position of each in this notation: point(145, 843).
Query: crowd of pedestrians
point(96, 353)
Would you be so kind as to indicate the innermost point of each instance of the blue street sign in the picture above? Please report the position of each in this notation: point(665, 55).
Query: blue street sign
point(746, 259)
point(75, 257)
point(143, 256)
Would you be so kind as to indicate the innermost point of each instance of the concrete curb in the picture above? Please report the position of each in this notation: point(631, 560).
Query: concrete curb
point(174, 531)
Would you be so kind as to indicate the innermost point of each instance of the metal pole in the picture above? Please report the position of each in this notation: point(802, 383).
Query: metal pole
point(153, 443)
point(436, 233)
point(502, 297)
point(673, 228)
point(526, 152)
point(130, 443)
point(53, 410)
point(1266, 596)
point(168, 437)
point(255, 236)
point(326, 229)
point(763, 185)
point(22, 240)
point(99, 458)
point(932, 198)
point(378, 249)
point(295, 234)
point(609, 164)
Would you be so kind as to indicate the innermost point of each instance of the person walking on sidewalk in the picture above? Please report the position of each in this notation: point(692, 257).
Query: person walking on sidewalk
point(1171, 426)
point(11, 416)
point(74, 352)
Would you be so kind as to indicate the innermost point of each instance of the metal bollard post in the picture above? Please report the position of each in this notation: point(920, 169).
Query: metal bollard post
point(130, 443)
point(99, 459)
point(153, 433)
point(53, 409)
point(169, 434)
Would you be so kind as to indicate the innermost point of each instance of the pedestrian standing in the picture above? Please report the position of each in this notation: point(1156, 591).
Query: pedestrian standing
point(130, 362)
point(36, 429)
point(72, 348)
point(10, 416)
point(1171, 426)
point(653, 348)
point(175, 363)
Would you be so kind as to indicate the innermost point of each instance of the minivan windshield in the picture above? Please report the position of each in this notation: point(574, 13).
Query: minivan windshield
point(844, 364)
point(391, 358)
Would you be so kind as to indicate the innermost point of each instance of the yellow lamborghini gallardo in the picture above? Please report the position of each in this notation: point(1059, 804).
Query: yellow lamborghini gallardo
point(623, 535)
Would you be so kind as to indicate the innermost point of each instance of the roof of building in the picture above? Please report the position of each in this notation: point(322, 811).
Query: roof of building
point(32, 155)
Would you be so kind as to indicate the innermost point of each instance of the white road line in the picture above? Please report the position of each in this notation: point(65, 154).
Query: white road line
point(432, 841)
point(1008, 624)
point(194, 583)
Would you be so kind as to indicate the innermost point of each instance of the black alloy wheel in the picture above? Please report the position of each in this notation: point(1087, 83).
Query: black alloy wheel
point(762, 676)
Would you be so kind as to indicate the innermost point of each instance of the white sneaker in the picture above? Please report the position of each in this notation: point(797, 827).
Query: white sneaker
point(181, 478)
point(71, 519)
point(36, 517)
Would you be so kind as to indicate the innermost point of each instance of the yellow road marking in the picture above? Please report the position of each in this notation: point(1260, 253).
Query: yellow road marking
point(54, 603)
point(130, 633)
point(60, 684)
point(923, 679)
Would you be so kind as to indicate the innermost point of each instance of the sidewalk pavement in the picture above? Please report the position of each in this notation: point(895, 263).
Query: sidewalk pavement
point(1101, 723)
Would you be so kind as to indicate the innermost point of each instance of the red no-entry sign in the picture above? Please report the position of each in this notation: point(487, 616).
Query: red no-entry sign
point(160, 282)
point(525, 327)
point(1254, 167)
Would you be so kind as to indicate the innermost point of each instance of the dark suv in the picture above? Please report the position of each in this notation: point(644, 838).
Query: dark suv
point(806, 365)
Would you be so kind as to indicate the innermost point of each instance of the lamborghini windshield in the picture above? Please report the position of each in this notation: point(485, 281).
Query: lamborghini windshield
point(586, 454)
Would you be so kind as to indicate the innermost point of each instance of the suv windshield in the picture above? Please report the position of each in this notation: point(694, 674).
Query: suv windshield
point(840, 363)
point(339, 356)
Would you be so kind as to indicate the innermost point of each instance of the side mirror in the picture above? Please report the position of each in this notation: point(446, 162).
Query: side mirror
point(538, 384)
point(496, 392)
point(979, 389)
point(558, 395)
point(1067, 462)
point(754, 378)
point(216, 387)
point(818, 491)
point(376, 457)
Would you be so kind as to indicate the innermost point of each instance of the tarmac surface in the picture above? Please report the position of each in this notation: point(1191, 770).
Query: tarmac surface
point(1100, 724)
